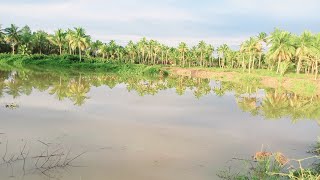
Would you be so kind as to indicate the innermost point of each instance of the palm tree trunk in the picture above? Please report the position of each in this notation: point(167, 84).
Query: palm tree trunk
point(60, 48)
point(260, 57)
point(316, 73)
point(13, 49)
point(80, 53)
point(201, 60)
point(278, 68)
point(166, 58)
point(243, 65)
point(299, 65)
point(253, 61)
point(250, 59)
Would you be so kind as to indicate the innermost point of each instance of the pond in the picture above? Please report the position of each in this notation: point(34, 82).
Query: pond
point(75, 125)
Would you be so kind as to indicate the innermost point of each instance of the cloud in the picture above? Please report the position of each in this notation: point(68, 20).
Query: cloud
point(169, 21)
point(97, 10)
point(291, 9)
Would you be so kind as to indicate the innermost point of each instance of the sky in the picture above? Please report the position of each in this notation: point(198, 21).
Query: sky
point(168, 21)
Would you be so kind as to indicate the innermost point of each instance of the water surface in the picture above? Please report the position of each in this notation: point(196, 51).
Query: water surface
point(115, 127)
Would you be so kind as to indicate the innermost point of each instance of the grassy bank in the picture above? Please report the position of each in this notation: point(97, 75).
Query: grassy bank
point(71, 63)
point(299, 83)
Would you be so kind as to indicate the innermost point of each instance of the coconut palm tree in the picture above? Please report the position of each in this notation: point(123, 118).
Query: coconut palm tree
point(103, 49)
point(183, 49)
point(251, 46)
point(303, 44)
point(222, 52)
point(40, 38)
point(262, 38)
point(201, 48)
point(112, 49)
point(209, 53)
point(58, 39)
point(316, 52)
point(281, 46)
point(79, 40)
point(26, 38)
point(69, 35)
point(131, 51)
point(95, 47)
point(12, 36)
point(142, 46)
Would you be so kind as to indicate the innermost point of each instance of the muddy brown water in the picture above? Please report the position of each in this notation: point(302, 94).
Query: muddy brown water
point(113, 128)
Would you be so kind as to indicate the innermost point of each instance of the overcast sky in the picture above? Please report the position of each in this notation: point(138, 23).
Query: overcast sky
point(169, 21)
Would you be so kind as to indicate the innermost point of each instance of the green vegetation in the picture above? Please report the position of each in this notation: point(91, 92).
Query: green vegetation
point(70, 62)
point(280, 51)
point(274, 166)
point(303, 87)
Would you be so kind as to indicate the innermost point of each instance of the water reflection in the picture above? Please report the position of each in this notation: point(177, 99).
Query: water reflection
point(251, 98)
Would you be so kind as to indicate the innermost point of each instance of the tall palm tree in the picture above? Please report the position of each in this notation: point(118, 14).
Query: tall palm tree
point(303, 44)
point(131, 51)
point(69, 36)
point(183, 50)
point(142, 46)
point(262, 38)
point(251, 46)
point(281, 46)
point(222, 51)
point(79, 40)
point(26, 40)
point(112, 49)
point(12, 36)
point(201, 48)
point(95, 47)
point(40, 38)
point(209, 52)
point(103, 49)
point(58, 39)
point(316, 52)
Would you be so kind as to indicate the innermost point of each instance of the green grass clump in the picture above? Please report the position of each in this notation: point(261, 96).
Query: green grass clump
point(306, 88)
point(72, 62)
point(248, 79)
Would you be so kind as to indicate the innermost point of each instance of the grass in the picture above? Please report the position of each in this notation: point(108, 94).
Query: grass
point(274, 166)
point(71, 62)
point(271, 168)
point(303, 87)
point(248, 79)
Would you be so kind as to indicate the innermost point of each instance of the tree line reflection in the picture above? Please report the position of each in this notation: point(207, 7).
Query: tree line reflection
point(269, 103)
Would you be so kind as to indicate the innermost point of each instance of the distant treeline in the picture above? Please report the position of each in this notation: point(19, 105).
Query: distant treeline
point(280, 50)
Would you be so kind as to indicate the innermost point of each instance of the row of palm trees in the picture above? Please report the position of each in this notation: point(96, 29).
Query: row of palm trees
point(279, 51)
